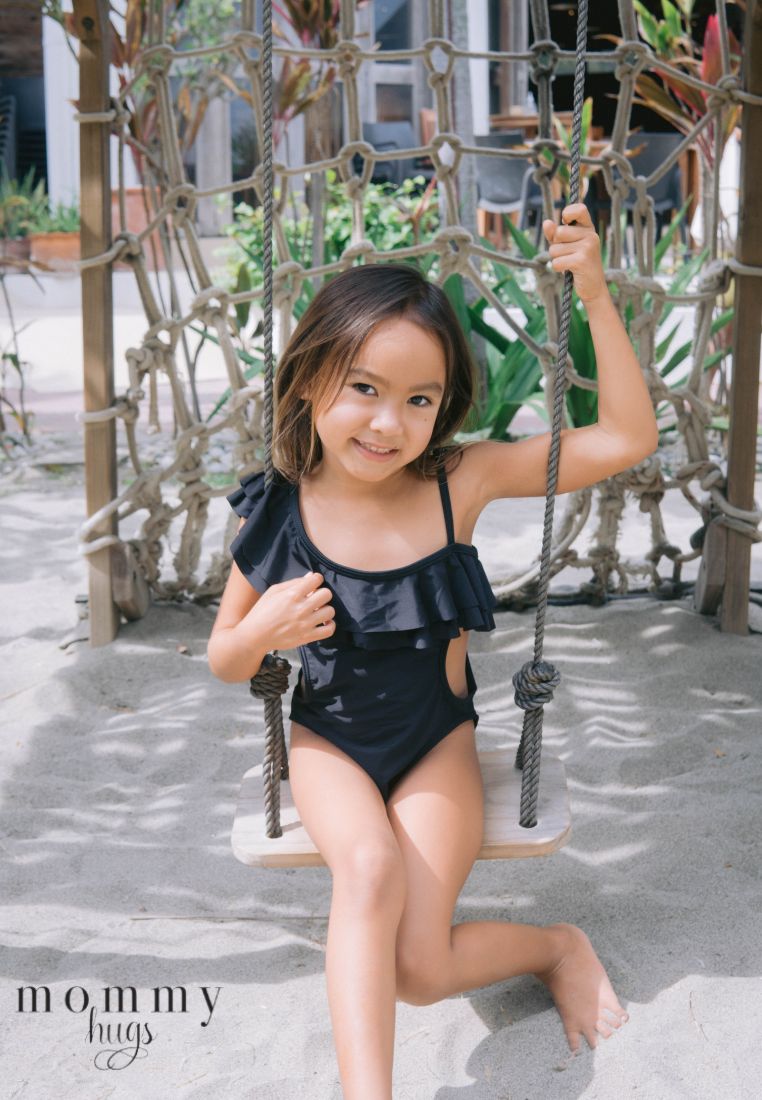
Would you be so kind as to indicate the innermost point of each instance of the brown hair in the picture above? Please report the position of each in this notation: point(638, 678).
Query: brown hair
point(327, 340)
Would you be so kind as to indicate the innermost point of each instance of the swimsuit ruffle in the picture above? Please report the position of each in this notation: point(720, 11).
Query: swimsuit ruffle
point(431, 601)
point(264, 548)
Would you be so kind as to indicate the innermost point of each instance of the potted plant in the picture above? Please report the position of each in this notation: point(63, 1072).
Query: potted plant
point(21, 203)
point(55, 241)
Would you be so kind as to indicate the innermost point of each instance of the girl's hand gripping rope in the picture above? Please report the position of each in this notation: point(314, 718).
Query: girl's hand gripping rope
point(574, 246)
point(294, 612)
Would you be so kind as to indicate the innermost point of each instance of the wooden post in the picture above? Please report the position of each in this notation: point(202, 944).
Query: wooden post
point(744, 393)
point(92, 28)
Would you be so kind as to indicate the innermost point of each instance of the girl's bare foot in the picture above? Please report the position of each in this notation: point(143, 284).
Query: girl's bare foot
point(581, 989)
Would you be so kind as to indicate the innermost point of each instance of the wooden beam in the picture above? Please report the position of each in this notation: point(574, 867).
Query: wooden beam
point(744, 393)
point(92, 28)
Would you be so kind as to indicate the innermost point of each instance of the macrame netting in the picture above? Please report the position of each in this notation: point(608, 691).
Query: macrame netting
point(455, 251)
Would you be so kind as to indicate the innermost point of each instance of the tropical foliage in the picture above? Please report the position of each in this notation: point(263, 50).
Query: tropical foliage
point(672, 96)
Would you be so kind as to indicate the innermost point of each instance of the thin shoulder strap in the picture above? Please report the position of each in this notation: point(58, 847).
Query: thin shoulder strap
point(446, 506)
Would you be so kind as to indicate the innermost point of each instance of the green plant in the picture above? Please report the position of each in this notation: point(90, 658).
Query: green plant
point(21, 203)
point(10, 358)
point(668, 94)
point(586, 171)
point(393, 217)
point(61, 218)
point(515, 373)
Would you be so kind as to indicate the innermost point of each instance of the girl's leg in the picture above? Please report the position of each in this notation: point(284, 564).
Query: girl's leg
point(437, 814)
point(360, 848)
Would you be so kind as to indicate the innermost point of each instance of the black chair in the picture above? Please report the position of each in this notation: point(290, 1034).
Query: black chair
point(501, 182)
point(532, 209)
point(393, 135)
point(665, 192)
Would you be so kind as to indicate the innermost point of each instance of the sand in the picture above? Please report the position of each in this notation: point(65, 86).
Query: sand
point(119, 781)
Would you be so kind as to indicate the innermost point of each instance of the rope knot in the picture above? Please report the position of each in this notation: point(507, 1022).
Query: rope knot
point(631, 57)
point(535, 683)
point(544, 57)
point(271, 680)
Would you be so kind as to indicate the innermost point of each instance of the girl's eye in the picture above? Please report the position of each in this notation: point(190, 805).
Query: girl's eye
point(423, 395)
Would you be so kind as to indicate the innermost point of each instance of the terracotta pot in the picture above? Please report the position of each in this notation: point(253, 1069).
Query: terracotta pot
point(136, 221)
point(15, 248)
point(60, 251)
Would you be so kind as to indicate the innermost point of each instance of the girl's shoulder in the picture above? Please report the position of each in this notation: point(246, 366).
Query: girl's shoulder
point(252, 491)
point(465, 475)
point(264, 548)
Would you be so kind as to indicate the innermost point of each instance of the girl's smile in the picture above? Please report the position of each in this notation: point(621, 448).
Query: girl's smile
point(377, 454)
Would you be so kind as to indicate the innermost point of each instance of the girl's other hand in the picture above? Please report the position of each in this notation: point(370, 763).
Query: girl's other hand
point(576, 248)
point(293, 613)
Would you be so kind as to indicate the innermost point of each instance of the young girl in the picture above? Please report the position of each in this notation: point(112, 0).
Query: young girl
point(359, 554)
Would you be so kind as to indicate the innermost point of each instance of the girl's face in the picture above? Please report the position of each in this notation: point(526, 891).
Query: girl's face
point(389, 400)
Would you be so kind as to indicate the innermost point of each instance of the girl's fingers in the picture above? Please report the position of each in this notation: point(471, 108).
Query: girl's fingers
point(577, 212)
point(323, 629)
point(319, 597)
point(568, 249)
point(573, 232)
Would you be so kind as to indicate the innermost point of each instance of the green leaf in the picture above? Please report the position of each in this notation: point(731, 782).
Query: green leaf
point(242, 283)
point(716, 357)
point(666, 238)
point(495, 338)
point(672, 17)
point(647, 25)
point(522, 241)
point(453, 288)
point(682, 353)
point(723, 319)
point(661, 349)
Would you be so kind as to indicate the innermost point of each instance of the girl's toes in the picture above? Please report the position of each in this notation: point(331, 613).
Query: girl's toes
point(603, 1028)
point(573, 1041)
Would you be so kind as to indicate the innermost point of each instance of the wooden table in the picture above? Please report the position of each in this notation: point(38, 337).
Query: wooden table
point(528, 121)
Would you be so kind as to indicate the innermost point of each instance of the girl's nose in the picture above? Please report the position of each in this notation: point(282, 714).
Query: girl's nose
point(385, 419)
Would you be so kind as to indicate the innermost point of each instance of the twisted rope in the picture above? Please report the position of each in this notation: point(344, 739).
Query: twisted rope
point(271, 681)
point(536, 680)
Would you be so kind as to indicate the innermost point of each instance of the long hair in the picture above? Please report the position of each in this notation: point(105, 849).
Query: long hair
point(325, 345)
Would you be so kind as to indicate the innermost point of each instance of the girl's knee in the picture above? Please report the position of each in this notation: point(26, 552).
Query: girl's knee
point(371, 873)
point(412, 991)
point(420, 971)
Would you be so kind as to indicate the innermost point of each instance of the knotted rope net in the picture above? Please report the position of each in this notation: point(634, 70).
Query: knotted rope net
point(454, 250)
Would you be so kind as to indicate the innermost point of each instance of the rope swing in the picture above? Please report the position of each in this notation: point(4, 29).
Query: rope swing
point(536, 681)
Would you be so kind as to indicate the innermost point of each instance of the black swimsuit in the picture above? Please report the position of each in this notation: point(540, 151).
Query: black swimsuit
point(377, 688)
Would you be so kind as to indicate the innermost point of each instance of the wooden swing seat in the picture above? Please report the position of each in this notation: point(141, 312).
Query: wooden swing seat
point(504, 838)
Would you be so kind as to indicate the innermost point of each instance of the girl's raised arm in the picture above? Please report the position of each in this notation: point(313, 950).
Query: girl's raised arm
point(626, 431)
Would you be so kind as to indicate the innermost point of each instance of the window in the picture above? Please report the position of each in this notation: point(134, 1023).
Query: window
point(392, 25)
point(394, 102)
